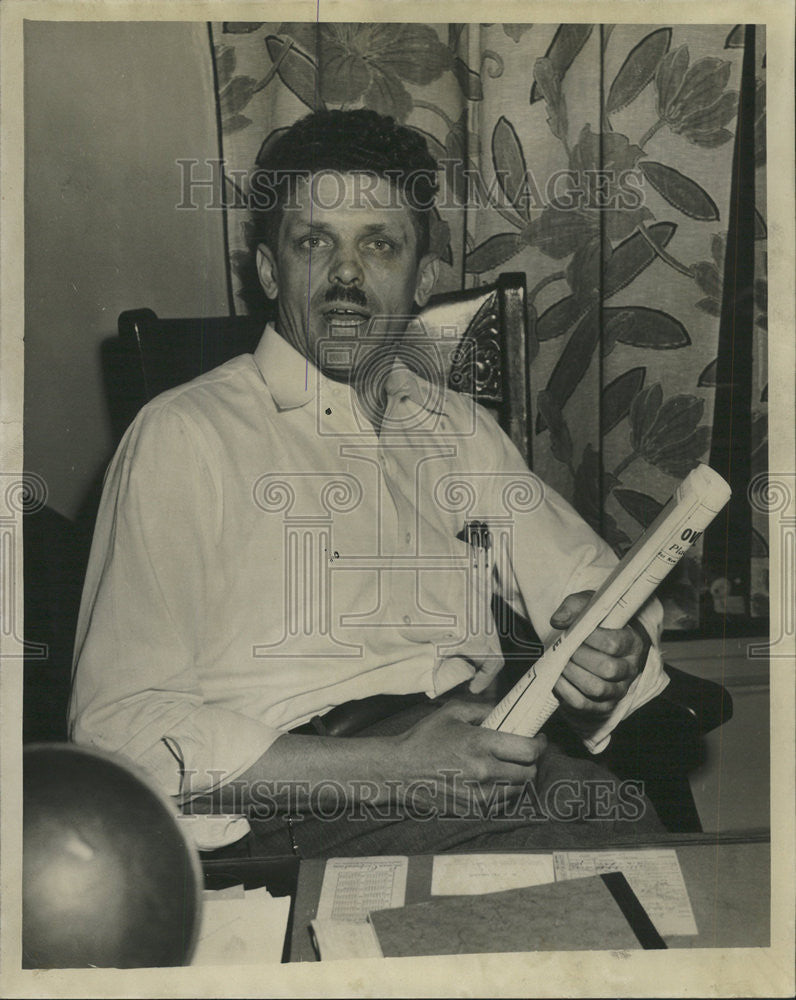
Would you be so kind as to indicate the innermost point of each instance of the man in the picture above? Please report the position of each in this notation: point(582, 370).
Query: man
point(275, 540)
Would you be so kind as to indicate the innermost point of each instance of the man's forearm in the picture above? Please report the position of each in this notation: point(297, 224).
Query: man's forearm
point(440, 754)
point(298, 769)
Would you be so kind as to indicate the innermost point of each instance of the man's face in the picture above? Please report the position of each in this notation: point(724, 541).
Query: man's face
point(347, 252)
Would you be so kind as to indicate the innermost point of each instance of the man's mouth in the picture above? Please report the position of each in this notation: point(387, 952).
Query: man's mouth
point(341, 315)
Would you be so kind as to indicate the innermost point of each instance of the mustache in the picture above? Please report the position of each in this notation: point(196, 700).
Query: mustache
point(347, 293)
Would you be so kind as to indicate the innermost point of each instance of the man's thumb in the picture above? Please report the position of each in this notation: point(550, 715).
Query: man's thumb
point(569, 609)
point(467, 711)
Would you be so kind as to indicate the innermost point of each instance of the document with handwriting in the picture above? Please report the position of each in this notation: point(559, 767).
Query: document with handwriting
point(654, 875)
point(472, 874)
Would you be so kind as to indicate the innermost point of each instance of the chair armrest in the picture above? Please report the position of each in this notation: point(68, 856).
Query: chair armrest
point(662, 742)
point(666, 736)
point(706, 702)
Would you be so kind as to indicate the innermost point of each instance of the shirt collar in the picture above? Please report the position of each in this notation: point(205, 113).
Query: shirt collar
point(290, 377)
point(293, 380)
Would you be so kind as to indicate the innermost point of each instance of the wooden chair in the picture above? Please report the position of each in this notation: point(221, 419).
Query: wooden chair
point(660, 743)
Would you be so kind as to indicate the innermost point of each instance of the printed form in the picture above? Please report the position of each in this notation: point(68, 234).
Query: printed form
point(352, 887)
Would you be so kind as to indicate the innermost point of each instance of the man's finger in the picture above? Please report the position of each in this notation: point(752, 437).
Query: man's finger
point(592, 687)
point(572, 697)
point(517, 749)
point(487, 670)
point(513, 775)
point(466, 711)
point(614, 641)
point(570, 608)
point(612, 669)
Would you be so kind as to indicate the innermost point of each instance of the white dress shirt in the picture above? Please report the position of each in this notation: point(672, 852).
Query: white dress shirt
point(261, 555)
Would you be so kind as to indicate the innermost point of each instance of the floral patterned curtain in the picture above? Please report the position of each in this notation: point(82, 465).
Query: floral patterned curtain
point(598, 160)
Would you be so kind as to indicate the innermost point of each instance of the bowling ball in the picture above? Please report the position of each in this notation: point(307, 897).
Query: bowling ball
point(108, 878)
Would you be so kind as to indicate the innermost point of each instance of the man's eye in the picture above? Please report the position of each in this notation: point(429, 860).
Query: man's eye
point(381, 246)
point(313, 243)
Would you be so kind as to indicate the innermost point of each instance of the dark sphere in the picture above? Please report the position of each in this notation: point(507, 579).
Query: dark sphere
point(108, 878)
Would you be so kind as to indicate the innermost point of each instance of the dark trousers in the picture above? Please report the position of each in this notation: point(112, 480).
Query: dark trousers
point(574, 803)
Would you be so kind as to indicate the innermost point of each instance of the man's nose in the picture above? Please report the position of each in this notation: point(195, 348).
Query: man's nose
point(346, 269)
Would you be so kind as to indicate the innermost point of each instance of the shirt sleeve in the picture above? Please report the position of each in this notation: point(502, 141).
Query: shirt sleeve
point(135, 685)
point(553, 552)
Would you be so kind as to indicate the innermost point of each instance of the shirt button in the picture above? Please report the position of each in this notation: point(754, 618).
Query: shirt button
point(407, 620)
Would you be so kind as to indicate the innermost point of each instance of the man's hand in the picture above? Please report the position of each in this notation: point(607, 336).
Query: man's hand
point(450, 740)
point(602, 669)
point(300, 772)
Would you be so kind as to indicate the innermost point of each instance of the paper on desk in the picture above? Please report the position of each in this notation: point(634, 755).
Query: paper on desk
point(337, 939)
point(231, 892)
point(470, 874)
point(352, 887)
point(654, 876)
point(242, 931)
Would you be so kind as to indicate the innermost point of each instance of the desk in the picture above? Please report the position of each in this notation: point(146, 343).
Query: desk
point(727, 877)
point(729, 885)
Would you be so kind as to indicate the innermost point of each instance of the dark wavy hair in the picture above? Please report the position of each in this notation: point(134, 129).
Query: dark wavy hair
point(348, 142)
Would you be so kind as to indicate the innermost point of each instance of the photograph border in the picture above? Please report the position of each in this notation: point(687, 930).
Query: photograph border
point(707, 972)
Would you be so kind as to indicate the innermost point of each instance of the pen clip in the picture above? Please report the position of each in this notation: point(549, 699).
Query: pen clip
point(476, 534)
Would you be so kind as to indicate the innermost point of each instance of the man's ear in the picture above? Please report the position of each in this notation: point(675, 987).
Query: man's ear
point(267, 271)
point(427, 274)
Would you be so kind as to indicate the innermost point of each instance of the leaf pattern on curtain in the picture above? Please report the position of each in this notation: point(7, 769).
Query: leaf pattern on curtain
point(597, 159)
